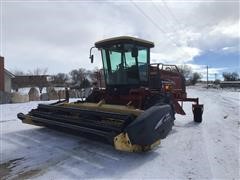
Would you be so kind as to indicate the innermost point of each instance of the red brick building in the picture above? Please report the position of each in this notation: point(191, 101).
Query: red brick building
point(2, 87)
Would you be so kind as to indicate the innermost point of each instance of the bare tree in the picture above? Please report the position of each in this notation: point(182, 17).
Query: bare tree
point(18, 73)
point(185, 70)
point(61, 78)
point(195, 78)
point(85, 83)
point(228, 76)
point(94, 75)
point(38, 71)
point(78, 75)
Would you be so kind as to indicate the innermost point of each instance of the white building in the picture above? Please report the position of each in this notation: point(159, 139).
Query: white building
point(8, 80)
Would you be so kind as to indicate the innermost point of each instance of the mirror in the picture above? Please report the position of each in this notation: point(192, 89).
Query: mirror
point(135, 52)
point(92, 57)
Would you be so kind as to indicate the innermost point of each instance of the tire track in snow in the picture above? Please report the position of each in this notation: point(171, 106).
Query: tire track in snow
point(55, 137)
point(5, 121)
point(195, 152)
point(218, 134)
point(99, 149)
point(75, 154)
point(54, 148)
point(92, 154)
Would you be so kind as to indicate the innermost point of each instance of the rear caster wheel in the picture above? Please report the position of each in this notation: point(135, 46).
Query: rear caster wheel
point(197, 112)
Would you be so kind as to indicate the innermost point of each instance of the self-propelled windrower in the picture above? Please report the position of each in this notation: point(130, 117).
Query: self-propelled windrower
point(135, 110)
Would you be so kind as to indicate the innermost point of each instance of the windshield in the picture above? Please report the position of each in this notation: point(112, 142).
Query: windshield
point(120, 67)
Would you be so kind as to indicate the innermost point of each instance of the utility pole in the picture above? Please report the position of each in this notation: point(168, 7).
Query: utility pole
point(207, 77)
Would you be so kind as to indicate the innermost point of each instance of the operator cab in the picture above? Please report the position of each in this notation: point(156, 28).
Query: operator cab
point(125, 61)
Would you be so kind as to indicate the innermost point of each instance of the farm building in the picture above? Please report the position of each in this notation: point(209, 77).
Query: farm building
point(5, 77)
point(229, 84)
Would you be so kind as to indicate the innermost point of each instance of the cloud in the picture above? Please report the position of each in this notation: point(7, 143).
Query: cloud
point(233, 49)
point(212, 72)
point(176, 56)
point(58, 35)
point(231, 30)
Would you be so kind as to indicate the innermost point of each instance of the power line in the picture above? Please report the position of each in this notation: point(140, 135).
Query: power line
point(170, 12)
point(148, 17)
point(159, 11)
point(154, 23)
point(207, 77)
point(173, 43)
point(164, 17)
point(174, 18)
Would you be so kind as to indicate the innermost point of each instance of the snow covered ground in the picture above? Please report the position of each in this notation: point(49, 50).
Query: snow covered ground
point(191, 151)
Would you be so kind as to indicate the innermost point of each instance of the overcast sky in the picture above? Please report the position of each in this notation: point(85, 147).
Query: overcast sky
point(58, 35)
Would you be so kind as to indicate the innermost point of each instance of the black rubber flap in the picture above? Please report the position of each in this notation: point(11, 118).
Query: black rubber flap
point(152, 125)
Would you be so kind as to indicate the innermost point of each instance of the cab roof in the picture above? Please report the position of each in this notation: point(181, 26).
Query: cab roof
point(123, 39)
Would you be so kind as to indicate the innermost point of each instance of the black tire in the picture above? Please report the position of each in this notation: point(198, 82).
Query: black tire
point(95, 96)
point(155, 100)
point(159, 100)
